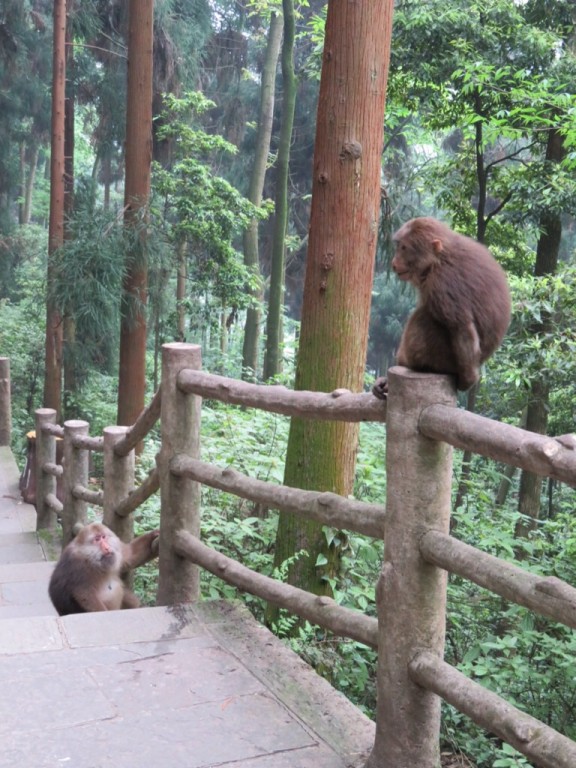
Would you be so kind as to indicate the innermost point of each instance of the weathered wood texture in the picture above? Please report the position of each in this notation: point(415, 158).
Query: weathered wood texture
point(340, 405)
point(320, 610)
point(546, 595)
point(119, 474)
point(74, 513)
point(46, 511)
point(178, 578)
point(328, 508)
point(540, 743)
point(547, 456)
point(411, 594)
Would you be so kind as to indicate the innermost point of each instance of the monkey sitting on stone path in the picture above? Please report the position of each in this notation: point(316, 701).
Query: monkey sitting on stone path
point(88, 575)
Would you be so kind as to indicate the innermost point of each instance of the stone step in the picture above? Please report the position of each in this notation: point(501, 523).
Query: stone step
point(192, 686)
point(24, 589)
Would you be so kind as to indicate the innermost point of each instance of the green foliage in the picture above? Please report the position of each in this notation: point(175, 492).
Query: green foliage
point(540, 351)
point(526, 659)
point(201, 207)
point(22, 326)
point(90, 268)
point(391, 305)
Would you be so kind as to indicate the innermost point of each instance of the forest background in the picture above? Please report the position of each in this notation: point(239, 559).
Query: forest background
point(480, 130)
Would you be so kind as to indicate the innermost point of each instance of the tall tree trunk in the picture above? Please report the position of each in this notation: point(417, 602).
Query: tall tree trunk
point(70, 359)
point(28, 159)
point(22, 182)
point(181, 281)
point(251, 258)
point(29, 186)
point(132, 381)
point(273, 359)
point(53, 368)
point(339, 272)
point(537, 408)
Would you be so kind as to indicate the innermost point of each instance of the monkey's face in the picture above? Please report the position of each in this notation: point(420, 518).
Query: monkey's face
point(406, 261)
point(415, 253)
point(99, 544)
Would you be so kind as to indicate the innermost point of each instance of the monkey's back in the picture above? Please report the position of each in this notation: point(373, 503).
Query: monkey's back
point(472, 285)
point(60, 589)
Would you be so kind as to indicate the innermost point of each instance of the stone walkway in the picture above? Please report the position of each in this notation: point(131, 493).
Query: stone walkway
point(195, 686)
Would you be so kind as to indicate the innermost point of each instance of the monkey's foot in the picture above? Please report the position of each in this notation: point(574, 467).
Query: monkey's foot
point(380, 388)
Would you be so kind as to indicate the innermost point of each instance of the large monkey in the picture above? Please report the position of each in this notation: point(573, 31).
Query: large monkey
point(88, 575)
point(464, 302)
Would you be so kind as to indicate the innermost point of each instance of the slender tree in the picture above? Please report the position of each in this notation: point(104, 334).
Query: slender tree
point(54, 329)
point(69, 340)
point(132, 383)
point(250, 239)
point(273, 357)
point(341, 251)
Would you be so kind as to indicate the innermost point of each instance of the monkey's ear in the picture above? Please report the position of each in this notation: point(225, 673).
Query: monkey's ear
point(437, 246)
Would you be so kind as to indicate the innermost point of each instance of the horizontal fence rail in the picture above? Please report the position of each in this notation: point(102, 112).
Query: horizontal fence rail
point(546, 595)
point(539, 742)
point(320, 610)
point(546, 456)
point(328, 508)
point(340, 405)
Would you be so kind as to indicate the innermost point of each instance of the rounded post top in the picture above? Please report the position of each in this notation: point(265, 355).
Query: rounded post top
point(180, 346)
point(408, 373)
point(45, 412)
point(420, 388)
point(116, 430)
point(76, 424)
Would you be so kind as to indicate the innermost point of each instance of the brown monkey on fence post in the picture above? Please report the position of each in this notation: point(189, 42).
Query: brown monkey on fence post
point(88, 575)
point(464, 302)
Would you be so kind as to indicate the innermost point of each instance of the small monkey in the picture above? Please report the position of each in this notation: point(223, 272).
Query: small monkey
point(88, 575)
point(464, 302)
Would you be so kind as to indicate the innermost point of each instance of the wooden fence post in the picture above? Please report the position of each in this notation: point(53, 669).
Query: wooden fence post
point(411, 594)
point(118, 483)
point(178, 579)
point(76, 473)
point(45, 483)
point(5, 402)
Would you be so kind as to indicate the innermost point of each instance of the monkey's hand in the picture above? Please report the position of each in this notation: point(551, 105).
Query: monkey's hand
point(380, 388)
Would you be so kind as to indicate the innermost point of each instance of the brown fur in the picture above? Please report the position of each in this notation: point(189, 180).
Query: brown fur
point(88, 575)
point(464, 302)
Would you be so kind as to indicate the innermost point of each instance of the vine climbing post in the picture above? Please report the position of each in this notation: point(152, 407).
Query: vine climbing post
point(411, 594)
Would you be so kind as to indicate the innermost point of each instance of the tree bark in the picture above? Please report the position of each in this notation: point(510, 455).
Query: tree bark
point(338, 284)
point(273, 356)
point(69, 340)
point(53, 366)
point(251, 257)
point(132, 383)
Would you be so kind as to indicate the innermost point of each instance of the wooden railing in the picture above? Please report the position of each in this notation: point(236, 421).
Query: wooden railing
point(422, 425)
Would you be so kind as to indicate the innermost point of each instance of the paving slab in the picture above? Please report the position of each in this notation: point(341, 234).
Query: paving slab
point(196, 686)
